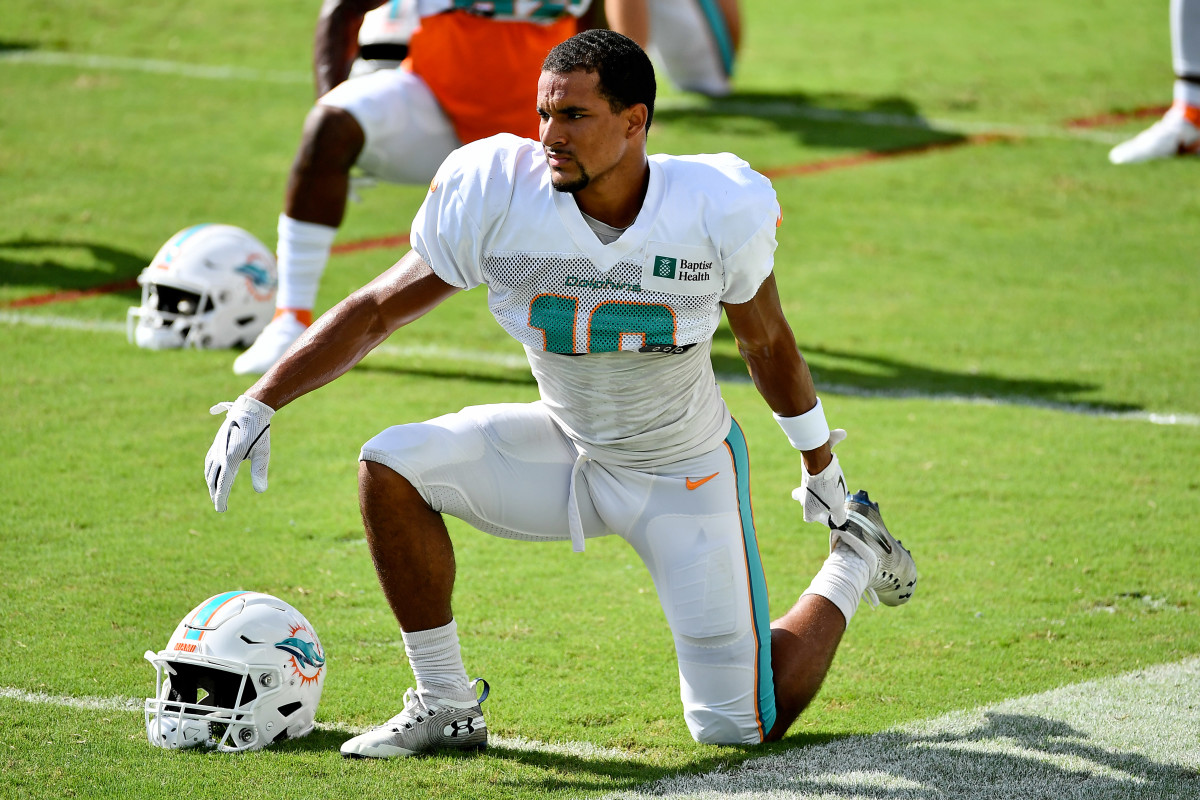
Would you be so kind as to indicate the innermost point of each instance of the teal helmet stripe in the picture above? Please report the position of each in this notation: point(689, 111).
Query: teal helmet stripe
point(760, 613)
point(206, 612)
point(184, 235)
point(720, 31)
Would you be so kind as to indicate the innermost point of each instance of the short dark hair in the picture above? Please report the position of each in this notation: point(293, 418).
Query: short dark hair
point(626, 74)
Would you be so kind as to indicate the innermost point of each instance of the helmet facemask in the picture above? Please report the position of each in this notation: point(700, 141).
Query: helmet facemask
point(169, 317)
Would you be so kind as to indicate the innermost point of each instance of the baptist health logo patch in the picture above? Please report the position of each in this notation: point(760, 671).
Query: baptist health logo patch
point(665, 267)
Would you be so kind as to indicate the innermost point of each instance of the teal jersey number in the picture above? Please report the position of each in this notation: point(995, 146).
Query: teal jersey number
point(554, 315)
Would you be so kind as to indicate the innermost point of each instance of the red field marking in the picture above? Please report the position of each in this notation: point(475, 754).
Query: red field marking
point(1101, 120)
point(370, 244)
point(70, 294)
point(842, 162)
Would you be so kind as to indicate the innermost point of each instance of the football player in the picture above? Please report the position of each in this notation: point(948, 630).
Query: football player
point(1178, 132)
point(469, 73)
point(612, 268)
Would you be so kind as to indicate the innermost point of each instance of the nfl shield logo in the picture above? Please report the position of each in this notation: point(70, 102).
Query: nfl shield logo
point(664, 267)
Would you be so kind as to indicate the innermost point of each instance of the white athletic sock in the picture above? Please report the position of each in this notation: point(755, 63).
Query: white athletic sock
point(1187, 93)
point(303, 252)
point(842, 579)
point(436, 662)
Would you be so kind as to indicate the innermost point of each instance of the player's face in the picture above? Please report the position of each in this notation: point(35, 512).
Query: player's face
point(583, 138)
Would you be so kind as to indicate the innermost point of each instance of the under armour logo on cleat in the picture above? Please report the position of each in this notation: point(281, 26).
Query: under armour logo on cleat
point(460, 727)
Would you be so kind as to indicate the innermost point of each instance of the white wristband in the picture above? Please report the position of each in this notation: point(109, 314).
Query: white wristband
point(807, 431)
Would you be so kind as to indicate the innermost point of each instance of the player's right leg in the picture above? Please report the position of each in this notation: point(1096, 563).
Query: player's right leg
point(1178, 132)
point(389, 125)
point(505, 469)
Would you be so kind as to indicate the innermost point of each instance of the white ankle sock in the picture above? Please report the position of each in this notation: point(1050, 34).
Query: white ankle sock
point(1187, 93)
point(842, 579)
point(436, 662)
point(303, 252)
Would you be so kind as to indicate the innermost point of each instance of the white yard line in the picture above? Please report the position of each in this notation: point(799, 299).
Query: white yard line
point(1130, 737)
point(454, 355)
point(775, 108)
point(50, 58)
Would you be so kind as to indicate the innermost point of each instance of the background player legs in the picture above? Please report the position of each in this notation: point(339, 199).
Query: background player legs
point(319, 182)
point(1178, 132)
point(1185, 51)
point(314, 207)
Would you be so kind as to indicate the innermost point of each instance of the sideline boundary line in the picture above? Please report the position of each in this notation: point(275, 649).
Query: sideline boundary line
point(445, 355)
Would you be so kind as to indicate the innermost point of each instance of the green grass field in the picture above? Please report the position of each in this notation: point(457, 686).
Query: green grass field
point(995, 321)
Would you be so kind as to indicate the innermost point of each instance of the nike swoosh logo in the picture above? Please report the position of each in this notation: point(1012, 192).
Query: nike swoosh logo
point(696, 483)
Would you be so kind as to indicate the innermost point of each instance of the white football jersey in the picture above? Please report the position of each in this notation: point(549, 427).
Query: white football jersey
point(618, 335)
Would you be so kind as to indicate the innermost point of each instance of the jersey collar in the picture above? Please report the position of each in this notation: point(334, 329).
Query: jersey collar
point(632, 241)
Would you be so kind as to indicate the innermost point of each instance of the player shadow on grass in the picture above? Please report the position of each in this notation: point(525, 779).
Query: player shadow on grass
point(834, 372)
point(50, 269)
point(830, 120)
point(1008, 755)
point(862, 375)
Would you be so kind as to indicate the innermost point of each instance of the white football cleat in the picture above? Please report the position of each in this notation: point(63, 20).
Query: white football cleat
point(426, 725)
point(895, 576)
point(270, 345)
point(1176, 134)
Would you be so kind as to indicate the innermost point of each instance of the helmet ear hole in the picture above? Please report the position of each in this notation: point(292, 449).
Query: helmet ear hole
point(287, 709)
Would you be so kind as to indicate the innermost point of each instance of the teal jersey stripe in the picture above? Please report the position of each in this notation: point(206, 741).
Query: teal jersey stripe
point(720, 32)
point(759, 609)
point(201, 617)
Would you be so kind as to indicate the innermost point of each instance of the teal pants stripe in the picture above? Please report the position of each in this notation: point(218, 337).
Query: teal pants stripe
point(720, 32)
point(759, 609)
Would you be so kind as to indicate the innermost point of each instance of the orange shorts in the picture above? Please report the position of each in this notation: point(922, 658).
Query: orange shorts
point(484, 72)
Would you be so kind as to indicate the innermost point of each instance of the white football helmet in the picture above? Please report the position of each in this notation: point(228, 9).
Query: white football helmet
point(210, 286)
point(241, 671)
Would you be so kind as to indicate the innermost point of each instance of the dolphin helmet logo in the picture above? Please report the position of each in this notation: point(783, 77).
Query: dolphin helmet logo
point(260, 280)
point(305, 653)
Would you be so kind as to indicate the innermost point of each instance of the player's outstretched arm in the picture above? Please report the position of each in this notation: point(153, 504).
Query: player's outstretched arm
point(768, 346)
point(328, 349)
point(344, 334)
